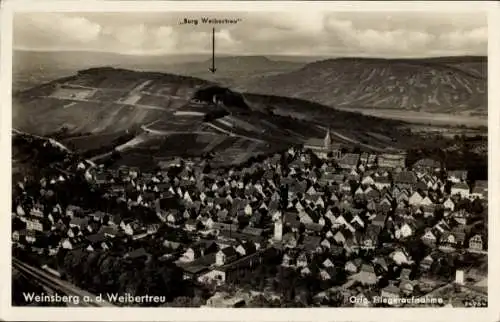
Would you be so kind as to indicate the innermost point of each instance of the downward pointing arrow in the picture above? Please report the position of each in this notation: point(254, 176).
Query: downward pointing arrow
point(213, 69)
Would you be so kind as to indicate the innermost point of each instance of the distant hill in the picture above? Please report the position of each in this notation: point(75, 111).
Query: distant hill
point(447, 85)
point(78, 60)
point(95, 101)
point(31, 68)
point(160, 115)
point(107, 99)
point(235, 69)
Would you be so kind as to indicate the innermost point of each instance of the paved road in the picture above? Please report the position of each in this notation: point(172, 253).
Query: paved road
point(163, 132)
point(209, 124)
point(77, 99)
point(233, 134)
point(59, 286)
point(101, 156)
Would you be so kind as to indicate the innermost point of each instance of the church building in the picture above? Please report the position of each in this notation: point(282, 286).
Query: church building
point(324, 148)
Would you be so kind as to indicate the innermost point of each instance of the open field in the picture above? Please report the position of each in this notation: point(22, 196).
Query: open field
point(226, 150)
point(88, 142)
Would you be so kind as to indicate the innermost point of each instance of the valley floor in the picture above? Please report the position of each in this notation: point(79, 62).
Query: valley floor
point(423, 117)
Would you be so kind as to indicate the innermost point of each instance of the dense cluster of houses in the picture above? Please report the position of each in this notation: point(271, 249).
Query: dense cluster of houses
point(320, 215)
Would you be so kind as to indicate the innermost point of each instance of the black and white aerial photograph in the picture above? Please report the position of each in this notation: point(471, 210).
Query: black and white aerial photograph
point(250, 159)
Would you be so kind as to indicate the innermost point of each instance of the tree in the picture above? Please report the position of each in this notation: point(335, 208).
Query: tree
point(108, 268)
point(171, 280)
point(207, 168)
point(21, 285)
point(416, 248)
point(477, 206)
point(259, 301)
point(286, 280)
point(185, 301)
point(283, 197)
point(336, 299)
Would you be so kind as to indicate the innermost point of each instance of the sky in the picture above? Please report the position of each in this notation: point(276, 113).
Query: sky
point(372, 34)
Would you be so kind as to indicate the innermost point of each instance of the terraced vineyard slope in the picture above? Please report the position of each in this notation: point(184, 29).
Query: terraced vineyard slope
point(440, 85)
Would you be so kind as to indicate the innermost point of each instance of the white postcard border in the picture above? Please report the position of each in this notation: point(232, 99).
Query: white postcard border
point(9, 313)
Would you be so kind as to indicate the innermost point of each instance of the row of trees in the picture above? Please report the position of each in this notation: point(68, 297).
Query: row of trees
point(105, 272)
point(462, 159)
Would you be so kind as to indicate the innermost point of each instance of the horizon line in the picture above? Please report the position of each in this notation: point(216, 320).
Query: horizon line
point(298, 55)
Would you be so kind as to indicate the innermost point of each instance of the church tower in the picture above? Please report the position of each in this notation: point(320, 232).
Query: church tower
point(328, 141)
point(278, 229)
